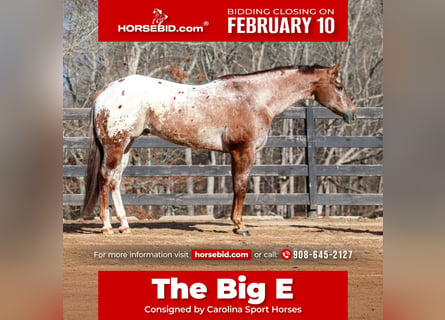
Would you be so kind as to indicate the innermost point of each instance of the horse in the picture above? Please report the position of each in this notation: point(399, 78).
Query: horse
point(231, 114)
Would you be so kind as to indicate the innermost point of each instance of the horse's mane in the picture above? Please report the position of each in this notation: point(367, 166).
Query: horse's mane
point(302, 68)
point(310, 69)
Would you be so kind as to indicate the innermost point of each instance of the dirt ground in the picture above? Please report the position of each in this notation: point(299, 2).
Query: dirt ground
point(362, 237)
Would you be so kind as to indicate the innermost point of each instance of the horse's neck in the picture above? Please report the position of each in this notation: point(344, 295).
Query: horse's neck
point(287, 89)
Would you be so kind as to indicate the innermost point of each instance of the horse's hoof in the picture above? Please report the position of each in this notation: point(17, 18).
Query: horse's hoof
point(107, 231)
point(125, 230)
point(244, 233)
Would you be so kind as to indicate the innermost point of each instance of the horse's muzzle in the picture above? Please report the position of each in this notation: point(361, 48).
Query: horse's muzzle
point(349, 117)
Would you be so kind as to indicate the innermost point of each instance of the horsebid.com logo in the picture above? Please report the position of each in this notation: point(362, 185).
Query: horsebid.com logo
point(157, 25)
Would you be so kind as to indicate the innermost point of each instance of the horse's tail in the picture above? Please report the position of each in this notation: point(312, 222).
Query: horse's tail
point(95, 157)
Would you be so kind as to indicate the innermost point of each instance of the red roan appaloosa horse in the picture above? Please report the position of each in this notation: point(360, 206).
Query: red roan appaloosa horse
point(231, 114)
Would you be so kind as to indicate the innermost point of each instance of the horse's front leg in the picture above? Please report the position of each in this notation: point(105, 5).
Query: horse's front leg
point(242, 161)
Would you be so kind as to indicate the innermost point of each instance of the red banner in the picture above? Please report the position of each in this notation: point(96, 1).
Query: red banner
point(223, 295)
point(230, 20)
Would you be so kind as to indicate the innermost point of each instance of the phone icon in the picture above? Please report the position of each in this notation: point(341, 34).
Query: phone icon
point(286, 254)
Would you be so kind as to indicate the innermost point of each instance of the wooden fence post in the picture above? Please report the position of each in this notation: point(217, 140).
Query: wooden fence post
point(310, 151)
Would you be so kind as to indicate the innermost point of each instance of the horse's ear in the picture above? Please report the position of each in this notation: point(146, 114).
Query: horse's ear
point(333, 71)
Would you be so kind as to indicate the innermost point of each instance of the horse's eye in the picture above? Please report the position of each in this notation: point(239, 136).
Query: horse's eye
point(339, 88)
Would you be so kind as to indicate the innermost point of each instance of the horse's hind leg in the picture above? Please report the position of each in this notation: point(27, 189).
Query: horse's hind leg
point(110, 165)
point(115, 193)
point(242, 161)
point(104, 183)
